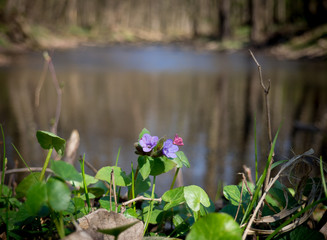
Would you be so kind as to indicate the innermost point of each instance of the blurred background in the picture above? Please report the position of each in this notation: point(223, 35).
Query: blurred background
point(172, 66)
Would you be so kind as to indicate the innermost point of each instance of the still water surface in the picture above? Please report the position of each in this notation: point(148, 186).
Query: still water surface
point(210, 99)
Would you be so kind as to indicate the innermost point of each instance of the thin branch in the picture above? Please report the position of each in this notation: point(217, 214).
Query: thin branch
point(265, 192)
point(22, 170)
point(141, 198)
point(114, 187)
point(266, 91)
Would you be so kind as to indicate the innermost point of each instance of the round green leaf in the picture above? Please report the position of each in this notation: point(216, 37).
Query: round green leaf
point(173, 197)
point(194, 196)
point(36, 197)
point(65, 170)
point(58, 194)
point(48, 140)
point(215, 226)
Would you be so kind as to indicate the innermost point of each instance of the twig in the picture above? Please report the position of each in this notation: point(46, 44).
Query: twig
point(20, 170)
point(271, 183)
point(110, 187)
point(141, 198)
point(114, 187)
point(91, 167)
point(266, 91)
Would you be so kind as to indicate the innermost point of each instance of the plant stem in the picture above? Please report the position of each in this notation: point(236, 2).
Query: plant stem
point(133, 187)
point(323, 177)
point(84, 183)
point(151, 205)
point(174, 180)
point(3, 161)
point(46, 164)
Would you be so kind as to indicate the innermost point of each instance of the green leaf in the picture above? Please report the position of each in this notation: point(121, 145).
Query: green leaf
point(141, 185)
point(48, 140)
point(160, 165)
point(58, 194)
point(215, 226)
point(88, 181)
point(36, 198)
point(155, 217)
point(232, 210)
point(233, 194)
point(75, 205)
point(194, 196)
point(117, 230)
point(96, 191)
point(131, 213)
point(144, 131)
point(181, 226)
point(121, 179)
point(144, 166)
point(181, 158)
point(26, 183)
point(65, 170)
point(173, 197)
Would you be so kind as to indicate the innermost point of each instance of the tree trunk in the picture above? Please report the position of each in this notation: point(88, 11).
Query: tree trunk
point(257, 22)
point(224, 20)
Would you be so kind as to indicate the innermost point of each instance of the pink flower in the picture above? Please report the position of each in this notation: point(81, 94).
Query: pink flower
point(178, 140)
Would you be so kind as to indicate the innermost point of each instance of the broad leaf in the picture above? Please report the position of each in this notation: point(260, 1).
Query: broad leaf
point(65, 170)
point(36, 198)
point(182, 158)
point(121, 179)
point(160, 165)
point(144, 166)
point(215, 226)
point(58, 194)
point(173, 197)
point(26, 183)
point(233, 194)
point(194, 196)
point(88, 180)
point(48, 140)
point(155, 217)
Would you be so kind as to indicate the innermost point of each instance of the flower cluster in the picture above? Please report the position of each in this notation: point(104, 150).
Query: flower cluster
point(152, 145)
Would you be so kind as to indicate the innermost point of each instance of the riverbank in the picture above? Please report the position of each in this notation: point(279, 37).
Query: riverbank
point(307, 45)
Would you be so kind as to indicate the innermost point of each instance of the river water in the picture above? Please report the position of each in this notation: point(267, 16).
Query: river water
point(210, 99)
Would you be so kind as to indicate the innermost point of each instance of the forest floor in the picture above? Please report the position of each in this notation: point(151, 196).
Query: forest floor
point(310, 44)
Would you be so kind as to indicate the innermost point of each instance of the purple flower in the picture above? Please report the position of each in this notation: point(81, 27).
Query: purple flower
point(169, 149)
point(148, 142)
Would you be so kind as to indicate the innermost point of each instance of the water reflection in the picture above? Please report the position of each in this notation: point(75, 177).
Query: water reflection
point(111, 93)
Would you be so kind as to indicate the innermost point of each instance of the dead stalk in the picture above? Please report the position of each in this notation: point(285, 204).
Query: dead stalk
point(266, 92)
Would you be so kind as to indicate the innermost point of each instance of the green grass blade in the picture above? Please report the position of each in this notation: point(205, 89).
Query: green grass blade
point(82, 161)
point(323, 177)
point(260, 183)
point(117, 157)
point(255, 149)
